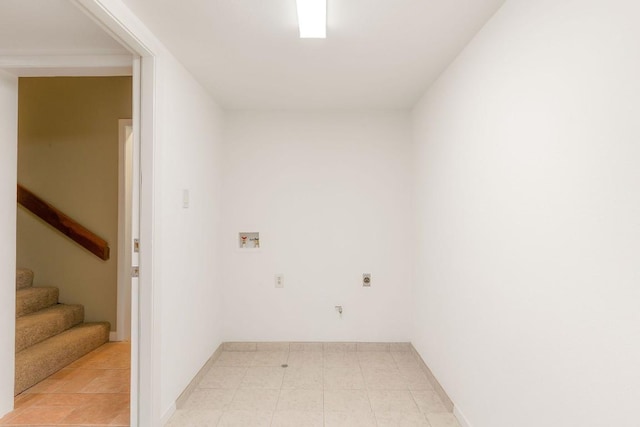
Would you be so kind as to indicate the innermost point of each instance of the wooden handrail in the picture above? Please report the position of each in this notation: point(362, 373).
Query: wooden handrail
point(63, 223)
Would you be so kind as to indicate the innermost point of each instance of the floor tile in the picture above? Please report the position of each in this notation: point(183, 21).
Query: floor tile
point(343, 379)
point(309, 359)
point(383, 379)
point(306, 346)
point(245, 419)
point(270, 358)
point(209, 399)
point(94, 390)
point(263, 377)
point(349, 419)
point(346, 400)
point(415, 378)
point(235, 358)
point(404, 359)
point(340, 346)
point(304, 378)
point(273, 346)
point(342, 359)
point(442, 420)
point(297, 419)
point(228, 377)
point(401, 419)
point(428, 401)
point(392, 401)
point(194, 418)
point(300, 400)
point(376, 359)
point(254, 400)
point(373, 346)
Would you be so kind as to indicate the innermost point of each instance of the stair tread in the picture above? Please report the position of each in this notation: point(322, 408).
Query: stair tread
point(38, 326)
point(24, 278)
point(29, 300)
point(35, 363)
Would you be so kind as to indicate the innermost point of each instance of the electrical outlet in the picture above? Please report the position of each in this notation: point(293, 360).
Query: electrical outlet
point(279, 279)
point(366, 280)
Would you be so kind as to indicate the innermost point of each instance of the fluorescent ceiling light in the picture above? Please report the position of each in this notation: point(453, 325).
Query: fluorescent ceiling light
point(312, 19)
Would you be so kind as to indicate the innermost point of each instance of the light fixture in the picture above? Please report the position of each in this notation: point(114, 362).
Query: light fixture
point(312, 19)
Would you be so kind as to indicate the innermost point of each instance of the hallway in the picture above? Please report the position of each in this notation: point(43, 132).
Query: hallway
point(94, 391)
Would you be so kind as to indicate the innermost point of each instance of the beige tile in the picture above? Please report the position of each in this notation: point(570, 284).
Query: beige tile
point(401, 419)
point(349, 419)
point(240, 346)
point(300, 400)
point(209, 399)
point(297, 419)
point(254, 400)
point(442, 419)
point(340, 346)
point(341, 359)
point(383, 379)
point(373, 359)
point(373, 346)
point(228, 377)
point(273, 346)
point(270, 358)
point(428, 401)
point(415, 379)
point(404, 359)
point(304, 378)
point(245, 419)
point(111, 381)
point(193, 418)
point(235, 358)
point(392, 401)
point(400, 347)
point(346, 400)
point(305, 358)
point(306, 346)
point(38, 415)
point(263, 377)
point(343, 379)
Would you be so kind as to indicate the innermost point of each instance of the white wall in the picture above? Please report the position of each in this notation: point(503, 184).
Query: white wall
point(329, 194)
point(528, 206)
point(8, 179)
point(188, 260)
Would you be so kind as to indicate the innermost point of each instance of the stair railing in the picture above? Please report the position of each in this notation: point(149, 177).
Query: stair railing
point(63, 223)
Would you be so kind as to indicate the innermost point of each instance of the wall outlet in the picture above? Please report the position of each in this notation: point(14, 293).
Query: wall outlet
point(279, 280)
point(366, 280)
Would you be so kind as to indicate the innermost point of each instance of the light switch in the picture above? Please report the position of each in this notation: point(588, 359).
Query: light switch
point(185, 199)
point(279, 279)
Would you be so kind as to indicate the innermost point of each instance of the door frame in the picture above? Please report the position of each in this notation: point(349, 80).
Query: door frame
point(117, 20)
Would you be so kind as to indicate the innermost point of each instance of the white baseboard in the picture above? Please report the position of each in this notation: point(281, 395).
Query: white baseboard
point(168, 414)
point(462, 420)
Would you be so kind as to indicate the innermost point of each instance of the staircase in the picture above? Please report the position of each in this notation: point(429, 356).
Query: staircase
point(49, 336)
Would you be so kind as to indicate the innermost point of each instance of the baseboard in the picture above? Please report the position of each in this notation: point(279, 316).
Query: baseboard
point(196, 380)
point(434, 381)
point(462, 420)
point(113, 336)
point(167, 415)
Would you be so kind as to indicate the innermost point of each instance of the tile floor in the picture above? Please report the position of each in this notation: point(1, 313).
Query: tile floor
point(322, 386)
point(93, 391)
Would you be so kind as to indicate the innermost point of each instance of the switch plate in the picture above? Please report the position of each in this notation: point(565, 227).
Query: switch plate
point(279, 280)
point(366, 280)
point(185, 199)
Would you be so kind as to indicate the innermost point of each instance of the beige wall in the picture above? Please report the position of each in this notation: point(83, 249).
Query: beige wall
point(68, 155)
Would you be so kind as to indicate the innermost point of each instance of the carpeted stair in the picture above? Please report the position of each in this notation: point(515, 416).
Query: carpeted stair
point(49, 336)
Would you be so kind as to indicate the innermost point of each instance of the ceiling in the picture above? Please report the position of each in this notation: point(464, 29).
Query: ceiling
point(379, 54)
point(51, 27)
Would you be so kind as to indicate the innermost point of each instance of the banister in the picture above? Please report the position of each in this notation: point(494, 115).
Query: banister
point(63, 223)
